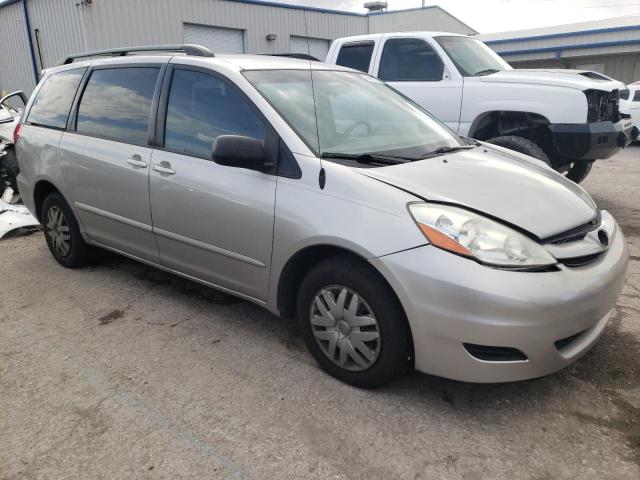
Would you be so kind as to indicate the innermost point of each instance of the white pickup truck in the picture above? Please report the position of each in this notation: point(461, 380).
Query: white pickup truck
point(567, 118)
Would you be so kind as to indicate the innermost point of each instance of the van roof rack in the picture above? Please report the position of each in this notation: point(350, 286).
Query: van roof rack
point(189, 49)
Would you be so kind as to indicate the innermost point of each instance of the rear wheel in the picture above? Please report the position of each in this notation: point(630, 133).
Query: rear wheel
point(352, 323)
point(62, 233)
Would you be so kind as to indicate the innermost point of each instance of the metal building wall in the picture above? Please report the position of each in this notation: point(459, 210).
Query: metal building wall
point(16, 71)
point(60, 28)
point(125, 22)
point(430, 18)
point(67, 26)
point(625, 68)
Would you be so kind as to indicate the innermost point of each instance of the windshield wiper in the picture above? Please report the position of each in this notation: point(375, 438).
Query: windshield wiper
point(486, 71)
point(443, 150)
point(366, 157)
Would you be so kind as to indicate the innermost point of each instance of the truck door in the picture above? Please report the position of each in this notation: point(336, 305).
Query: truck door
point(415, 67)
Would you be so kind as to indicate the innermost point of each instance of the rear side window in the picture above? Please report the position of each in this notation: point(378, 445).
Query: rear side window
point(356, 55)
point(52, 105)
point(116, 104)
point(202, 107)
point(409, 60)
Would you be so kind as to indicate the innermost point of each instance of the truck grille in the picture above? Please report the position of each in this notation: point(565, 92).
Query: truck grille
point(603, 106)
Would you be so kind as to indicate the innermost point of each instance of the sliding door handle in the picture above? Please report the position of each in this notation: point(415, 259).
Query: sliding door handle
point(136, 161)
point(165, 170)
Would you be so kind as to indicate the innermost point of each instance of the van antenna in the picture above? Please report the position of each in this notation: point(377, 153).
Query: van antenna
point(322, 174)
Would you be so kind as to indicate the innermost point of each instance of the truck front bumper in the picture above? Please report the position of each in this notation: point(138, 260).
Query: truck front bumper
point(592, 141)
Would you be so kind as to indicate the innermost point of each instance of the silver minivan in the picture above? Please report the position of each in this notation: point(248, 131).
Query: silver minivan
point(321, 193)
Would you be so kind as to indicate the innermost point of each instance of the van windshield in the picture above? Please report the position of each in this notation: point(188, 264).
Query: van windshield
point(354, 114)
point(472, 57)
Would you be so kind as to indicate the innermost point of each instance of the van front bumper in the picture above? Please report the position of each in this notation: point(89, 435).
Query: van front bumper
point(592, 141)
point(552, 318)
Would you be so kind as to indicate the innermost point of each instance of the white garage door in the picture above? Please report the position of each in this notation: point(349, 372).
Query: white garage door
point(317, 47)
point(217, 39)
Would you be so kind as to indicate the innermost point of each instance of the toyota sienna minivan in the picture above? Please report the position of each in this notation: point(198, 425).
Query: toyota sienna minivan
point(321, 193)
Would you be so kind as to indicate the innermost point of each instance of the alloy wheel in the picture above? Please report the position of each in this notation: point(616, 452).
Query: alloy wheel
point(57, 230)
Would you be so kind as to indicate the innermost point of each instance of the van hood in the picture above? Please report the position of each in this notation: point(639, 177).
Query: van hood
point(579, 79)
point(515, 188)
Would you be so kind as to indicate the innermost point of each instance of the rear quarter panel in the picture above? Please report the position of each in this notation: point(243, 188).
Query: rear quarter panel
point(37, 153)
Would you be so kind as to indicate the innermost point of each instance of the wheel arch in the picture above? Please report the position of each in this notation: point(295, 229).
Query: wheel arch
point(41, 190)
point(504, 122)
point(303, 261)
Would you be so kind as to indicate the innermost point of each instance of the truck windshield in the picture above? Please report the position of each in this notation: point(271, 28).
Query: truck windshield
point(471, 56)
point(352, 114)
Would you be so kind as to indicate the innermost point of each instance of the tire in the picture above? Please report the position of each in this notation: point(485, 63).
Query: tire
point(59, 223)
point(579, 171)
point(521, 145)
point(378, 312)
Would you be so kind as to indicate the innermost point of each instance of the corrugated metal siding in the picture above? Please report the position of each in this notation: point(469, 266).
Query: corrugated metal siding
point(606, 23)
point(67, 28)
point(61, 29)
point(16, 72)
point(625, 68)
point(433, 19)
point(216, 39)
point(315, 47)
point(119, 23)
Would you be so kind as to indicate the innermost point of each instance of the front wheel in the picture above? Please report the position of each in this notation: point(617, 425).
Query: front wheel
point(352, 323)
point(579, 171)
point(521, 145)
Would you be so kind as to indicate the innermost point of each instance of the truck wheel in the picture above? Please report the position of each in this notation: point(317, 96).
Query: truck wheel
point(352, 323)
point(579, 171)
point(521, 145)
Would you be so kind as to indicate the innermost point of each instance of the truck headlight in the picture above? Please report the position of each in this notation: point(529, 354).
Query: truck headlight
point(471, 235)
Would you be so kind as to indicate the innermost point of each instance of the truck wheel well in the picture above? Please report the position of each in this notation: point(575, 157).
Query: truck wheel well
point(40, 192)
point(500, 123)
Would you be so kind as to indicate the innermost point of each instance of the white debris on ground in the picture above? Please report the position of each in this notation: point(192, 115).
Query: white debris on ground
point(15, 218)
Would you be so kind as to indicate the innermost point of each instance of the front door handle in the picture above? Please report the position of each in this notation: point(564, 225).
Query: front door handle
point(164, 167)
point(136, 161)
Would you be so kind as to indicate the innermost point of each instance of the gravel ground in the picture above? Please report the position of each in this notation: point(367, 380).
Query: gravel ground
point(122, 371)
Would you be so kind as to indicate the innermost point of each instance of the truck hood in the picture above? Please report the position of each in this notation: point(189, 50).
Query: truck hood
point(579, 79)
point(506, 185)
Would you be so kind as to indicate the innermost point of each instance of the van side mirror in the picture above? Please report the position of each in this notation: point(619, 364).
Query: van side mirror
point(239, 151)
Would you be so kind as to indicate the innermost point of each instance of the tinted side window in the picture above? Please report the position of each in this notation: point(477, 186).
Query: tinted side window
point(636, 96)
point(52, 105)
point(116, 104)
point(202, 107)
point(409, 60)
point(356, 55)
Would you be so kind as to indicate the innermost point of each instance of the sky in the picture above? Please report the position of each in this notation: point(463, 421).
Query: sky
point(488, 16)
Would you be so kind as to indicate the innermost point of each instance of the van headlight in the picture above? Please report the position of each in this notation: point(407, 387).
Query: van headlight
point(471, 235)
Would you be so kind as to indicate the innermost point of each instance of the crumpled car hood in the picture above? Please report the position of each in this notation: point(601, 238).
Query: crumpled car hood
point(506, 185)
point(579, 79)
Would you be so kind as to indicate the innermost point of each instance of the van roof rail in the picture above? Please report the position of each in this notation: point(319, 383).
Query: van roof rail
point(189, 49)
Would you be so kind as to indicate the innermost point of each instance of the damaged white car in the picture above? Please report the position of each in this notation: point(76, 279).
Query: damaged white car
point(14, 217)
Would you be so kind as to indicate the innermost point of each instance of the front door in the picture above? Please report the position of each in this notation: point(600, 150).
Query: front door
point(105, 161)
point(412, 66)
point(211, 222)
